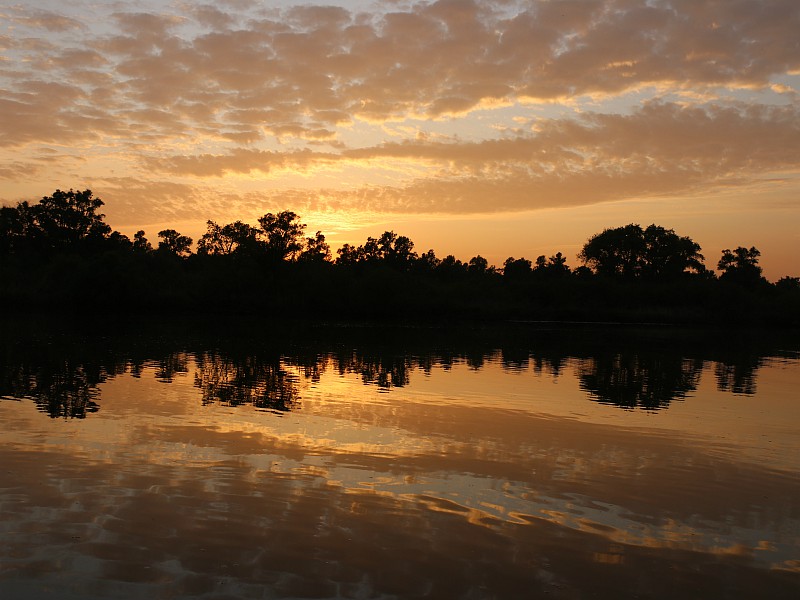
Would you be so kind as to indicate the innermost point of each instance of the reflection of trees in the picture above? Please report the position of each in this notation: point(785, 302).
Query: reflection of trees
point(738, 376)
point(541, 361)
point(632, 380)
point(60, 390)
point(516, 358)
point(384, 370)
point(246, 380)
point(649, 371)
point(171, 365)
point(552, 365)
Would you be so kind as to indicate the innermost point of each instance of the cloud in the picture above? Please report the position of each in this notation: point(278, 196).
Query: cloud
point(238, 161)
point(43, 19)
point(662, 148)
point(18, 169)
point(313, 67)
point(134, 201)
point(210, 16)
point(193, 93)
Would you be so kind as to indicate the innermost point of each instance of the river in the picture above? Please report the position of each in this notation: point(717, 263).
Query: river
point(261, 459)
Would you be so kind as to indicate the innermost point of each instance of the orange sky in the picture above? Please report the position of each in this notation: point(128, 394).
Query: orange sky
point(495, 127)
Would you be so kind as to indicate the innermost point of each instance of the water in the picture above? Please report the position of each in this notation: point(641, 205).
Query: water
point(251, 460)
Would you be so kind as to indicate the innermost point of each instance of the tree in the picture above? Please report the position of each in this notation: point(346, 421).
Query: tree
point(383, 249)
point(555, 266)
point(316, 250)
point(67, 219)
point(450, 265)
point(348, 255)
point(667, 255)
point(478, 264)
point(16, 227)
point(396, 251)
point(227, 239)
point(140, 242)
point(740, 266)
point(516, 268)
point(401, 254)
point(631, 251)
point(788, 284)
point(614, 252)
point(173, 242)
point(284, 235)
point(427, 261)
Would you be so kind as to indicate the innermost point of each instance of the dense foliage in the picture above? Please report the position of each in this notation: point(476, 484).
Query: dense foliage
point(60, 254)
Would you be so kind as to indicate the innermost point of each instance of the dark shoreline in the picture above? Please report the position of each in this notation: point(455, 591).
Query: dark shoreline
point(715, 307)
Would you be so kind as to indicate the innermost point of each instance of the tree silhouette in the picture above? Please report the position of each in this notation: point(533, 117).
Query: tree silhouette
point(348, 255)
point(555, 266)
point(227, 239)
point(614, 251)
point(284, 235)
point(401, 254)
point(316, 250)
point(59, 253)
point(740, 266)
point(788, 284)
point(668, 255)
point(631, 251)
point(68, 218)
point(516, 268)
point(174, 243)
point(64, 222)
point(140, 242)
point(451, 266)
point(390, 249)
point(478, 264)
point(427, 262)
point(17, 229)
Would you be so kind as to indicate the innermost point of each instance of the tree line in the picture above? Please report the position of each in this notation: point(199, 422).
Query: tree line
point(52, 248)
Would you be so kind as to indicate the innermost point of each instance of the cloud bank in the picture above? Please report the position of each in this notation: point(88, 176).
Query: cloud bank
point(454, 106)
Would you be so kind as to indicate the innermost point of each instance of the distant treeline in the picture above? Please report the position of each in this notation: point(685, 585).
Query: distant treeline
point(59, 254)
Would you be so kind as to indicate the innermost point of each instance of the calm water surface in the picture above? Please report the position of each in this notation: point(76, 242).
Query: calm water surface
point(219, 461)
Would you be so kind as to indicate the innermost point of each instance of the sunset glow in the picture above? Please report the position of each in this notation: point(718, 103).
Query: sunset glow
point(501, 128)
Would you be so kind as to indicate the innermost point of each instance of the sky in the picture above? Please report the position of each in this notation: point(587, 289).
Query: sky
point(493, 127)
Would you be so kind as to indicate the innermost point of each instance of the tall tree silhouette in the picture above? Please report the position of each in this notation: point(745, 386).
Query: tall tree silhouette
point(631, 251)
point(740, 266)
point(174, 243)
point(283, 233)
point(227, 239)
point(316, 250)
point(64, 222)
